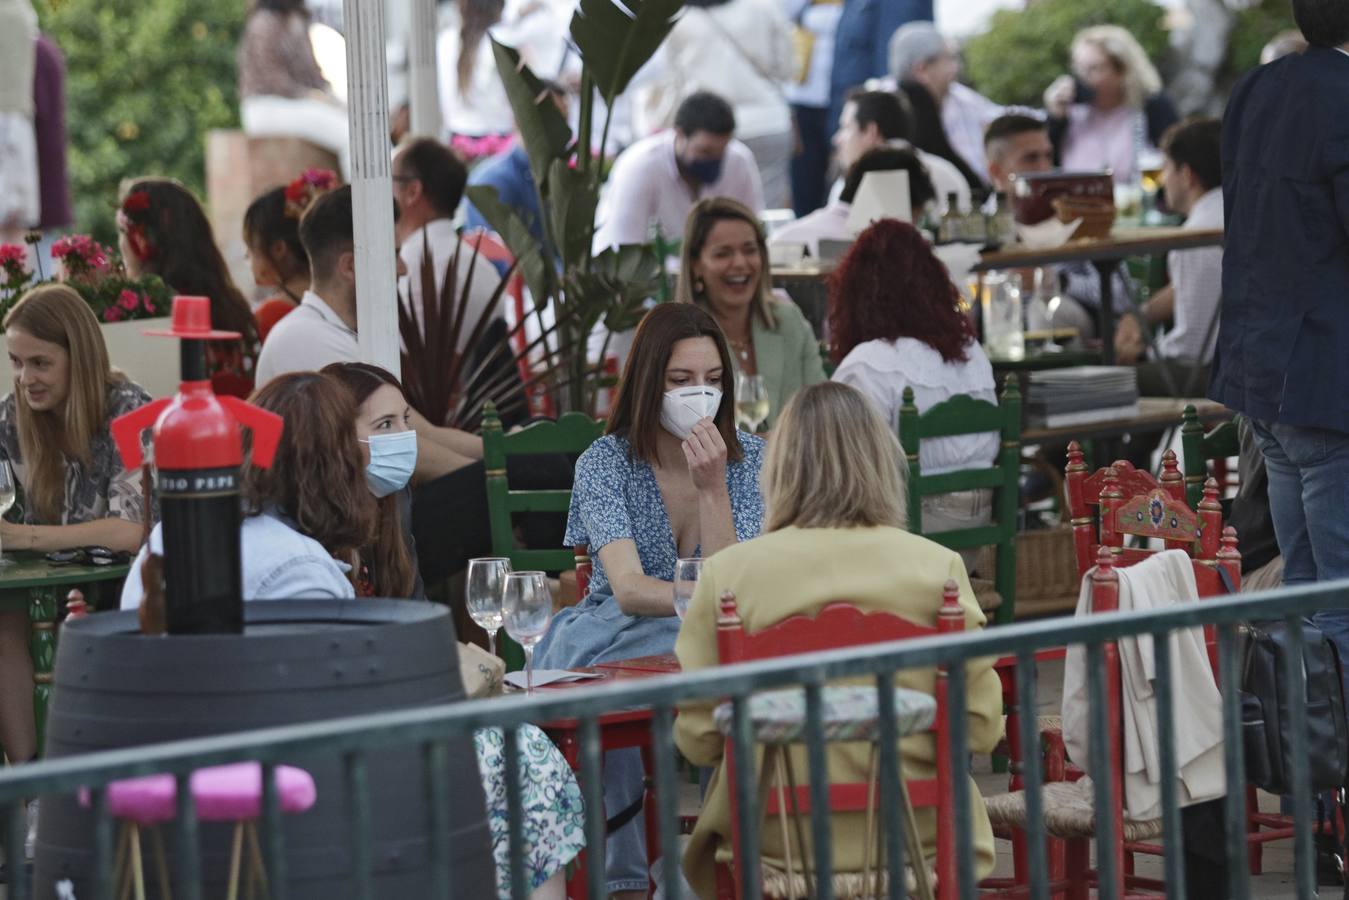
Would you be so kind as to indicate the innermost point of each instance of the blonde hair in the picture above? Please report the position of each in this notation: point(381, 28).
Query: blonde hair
point(55, 313)
point(832, 463)
point(697, 229)
point(1141, 80)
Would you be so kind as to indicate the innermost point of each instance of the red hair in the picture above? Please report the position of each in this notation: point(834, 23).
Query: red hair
point(890, 285)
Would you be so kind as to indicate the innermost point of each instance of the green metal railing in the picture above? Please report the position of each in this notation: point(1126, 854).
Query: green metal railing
point(355, 739)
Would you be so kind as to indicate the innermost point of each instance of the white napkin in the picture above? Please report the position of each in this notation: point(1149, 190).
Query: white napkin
point(959, 259)
point(550, 676)
point(1049, 233)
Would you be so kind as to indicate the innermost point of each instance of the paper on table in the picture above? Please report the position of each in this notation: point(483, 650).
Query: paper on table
point(550, 676)
point(1049, 233)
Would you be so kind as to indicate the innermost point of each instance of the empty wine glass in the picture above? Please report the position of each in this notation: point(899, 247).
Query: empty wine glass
point(751, 401)
point(6, 497)
point(686, 574)
point(1047, 294)
point(527, 610)
point(486, 582)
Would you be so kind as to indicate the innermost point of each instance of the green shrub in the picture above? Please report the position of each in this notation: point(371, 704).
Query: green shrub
point(1255, 26)
point(1024, 50)
point(145, 80)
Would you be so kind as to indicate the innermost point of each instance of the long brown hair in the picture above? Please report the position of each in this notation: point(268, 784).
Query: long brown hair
point(475, 18)
point(58, 315)
point(697, 229)
point(390, 562)
point(317, 477)
point(636, 414)
point(185, 254)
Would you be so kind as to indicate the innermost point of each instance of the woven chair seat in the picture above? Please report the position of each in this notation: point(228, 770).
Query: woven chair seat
point(847, 885)
point(850, 713)
point(985, 594)
point(1069, 812)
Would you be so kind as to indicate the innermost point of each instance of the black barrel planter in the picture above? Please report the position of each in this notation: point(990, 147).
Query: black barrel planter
point(297, 661)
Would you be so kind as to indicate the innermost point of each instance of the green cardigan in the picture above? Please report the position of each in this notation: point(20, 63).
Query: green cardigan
point(788, 356)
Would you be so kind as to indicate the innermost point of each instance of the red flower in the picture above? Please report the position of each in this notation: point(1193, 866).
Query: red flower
point(136, 202)
point(149, 307)
point(128, 300)
point(113, 314)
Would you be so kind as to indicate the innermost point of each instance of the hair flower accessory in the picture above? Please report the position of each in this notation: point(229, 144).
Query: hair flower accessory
point(133, 220)
point(307, 188)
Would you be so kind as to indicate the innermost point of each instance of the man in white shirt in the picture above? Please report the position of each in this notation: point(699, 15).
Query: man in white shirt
point(831, 223)
point(657, 180)
point(428, 183)
point(872, 119)
point(322, 330)
point(1192, 180)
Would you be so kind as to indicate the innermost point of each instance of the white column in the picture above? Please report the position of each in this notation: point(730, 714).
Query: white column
point(423, 87)
point(371, 186)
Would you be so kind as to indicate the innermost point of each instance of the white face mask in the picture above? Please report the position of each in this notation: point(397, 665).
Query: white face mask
point(682, 408)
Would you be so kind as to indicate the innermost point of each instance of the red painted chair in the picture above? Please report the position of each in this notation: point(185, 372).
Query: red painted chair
point(834, 626)
point(1070, 816)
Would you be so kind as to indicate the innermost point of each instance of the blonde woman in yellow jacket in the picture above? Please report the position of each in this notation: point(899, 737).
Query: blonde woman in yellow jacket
point(833, 486)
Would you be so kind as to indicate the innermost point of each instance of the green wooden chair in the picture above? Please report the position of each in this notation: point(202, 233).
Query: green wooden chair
point(572, 433)
point(965, 415)
point(1199, 447)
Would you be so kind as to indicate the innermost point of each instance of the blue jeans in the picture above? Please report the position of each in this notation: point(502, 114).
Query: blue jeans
point(1308, 495)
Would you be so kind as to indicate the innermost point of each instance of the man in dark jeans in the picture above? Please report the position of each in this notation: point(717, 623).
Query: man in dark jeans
point(1283, 341)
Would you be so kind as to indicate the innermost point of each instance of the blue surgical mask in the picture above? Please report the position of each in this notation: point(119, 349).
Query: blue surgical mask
point(392, 459)
point(705, 171)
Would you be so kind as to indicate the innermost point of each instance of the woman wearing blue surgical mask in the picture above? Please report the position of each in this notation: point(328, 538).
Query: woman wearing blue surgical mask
point(724, 269)
point(671, 478)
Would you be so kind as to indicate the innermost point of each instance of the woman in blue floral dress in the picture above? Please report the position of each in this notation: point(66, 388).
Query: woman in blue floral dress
point(671, 478)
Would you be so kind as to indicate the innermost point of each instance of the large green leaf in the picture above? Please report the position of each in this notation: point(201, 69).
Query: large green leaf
point(572, 198)
point(506, 222)
point(539, 121)
point(615, 41)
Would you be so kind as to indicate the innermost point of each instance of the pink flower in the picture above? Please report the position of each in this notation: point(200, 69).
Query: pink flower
point(149, 307)
point(13, 255)
point(113, 314)
point(128, 300)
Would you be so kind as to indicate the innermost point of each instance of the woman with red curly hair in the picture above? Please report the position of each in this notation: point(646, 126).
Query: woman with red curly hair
point(894, 323)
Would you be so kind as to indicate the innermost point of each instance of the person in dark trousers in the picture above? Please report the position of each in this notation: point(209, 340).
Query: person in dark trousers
point(862, 43)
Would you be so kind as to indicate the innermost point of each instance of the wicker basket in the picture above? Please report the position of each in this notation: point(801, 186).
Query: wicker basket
point(1097, 215)
point(1046, 572)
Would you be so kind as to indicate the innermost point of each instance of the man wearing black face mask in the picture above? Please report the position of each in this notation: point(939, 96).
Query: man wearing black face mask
point(656, 181)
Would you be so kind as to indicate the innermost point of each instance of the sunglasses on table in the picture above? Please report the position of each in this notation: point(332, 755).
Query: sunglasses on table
point(89, 556)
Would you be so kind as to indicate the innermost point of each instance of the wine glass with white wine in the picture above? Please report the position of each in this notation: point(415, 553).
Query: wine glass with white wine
point(483, 595)
point(6, 497)
point(528, 610)
point(751, 401)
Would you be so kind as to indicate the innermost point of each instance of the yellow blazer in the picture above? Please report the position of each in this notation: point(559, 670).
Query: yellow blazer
point(797, 571)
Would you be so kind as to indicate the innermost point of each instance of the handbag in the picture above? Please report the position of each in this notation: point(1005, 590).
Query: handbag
point(483, 674)
point(803, 48)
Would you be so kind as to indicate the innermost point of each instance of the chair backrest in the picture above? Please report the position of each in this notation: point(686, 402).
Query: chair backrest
point(1200, 447)
point(572, 433)
point(838, 625)
point(1131, 502)
point(963, 415)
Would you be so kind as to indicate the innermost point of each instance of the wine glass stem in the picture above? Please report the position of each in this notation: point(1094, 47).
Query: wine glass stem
point(529, 670)
point(492, 642)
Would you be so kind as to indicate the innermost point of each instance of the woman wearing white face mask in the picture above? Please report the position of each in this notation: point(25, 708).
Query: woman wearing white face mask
point(671, 478)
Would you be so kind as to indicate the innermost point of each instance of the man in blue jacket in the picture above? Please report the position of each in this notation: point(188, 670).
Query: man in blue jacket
point(862, 43)
point(1283, 343)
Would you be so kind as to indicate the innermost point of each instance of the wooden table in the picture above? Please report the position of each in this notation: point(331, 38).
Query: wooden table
point(1154, 414)
point(619, 730)
point(35, 585)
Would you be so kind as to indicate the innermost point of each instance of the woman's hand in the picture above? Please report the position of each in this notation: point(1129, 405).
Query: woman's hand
point(705, 452)
point(1059, 96)
point(14, 536)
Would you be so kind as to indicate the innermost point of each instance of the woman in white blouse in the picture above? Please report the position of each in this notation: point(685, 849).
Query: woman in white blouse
point(894, 324)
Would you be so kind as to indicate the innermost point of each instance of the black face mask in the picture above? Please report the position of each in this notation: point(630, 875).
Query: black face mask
point(704, 171)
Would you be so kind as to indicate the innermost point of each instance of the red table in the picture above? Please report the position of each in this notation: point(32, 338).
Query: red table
point(622, 729)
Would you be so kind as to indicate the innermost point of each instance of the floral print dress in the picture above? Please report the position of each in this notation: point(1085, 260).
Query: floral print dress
point(554, 815)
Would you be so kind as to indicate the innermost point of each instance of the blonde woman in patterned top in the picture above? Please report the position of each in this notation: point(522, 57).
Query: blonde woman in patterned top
point(54, 434)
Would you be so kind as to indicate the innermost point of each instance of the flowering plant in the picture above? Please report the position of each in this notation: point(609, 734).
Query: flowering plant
point(14, 267)
point(94, 272)
point(82, 258)
point(306, 189)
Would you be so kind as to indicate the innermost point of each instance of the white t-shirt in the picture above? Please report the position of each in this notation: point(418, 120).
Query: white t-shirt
point(881, 370)
point(442, 238)
point(645, 187)
point(279, 563)
point(310, 337)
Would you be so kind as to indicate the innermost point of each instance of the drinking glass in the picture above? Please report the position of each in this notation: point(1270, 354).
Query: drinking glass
point(527, 610)
point(751, 401)
point(1004, 325)
point(486, 581)
point(1046, 293)
point(686, 574)
point(6, 498)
